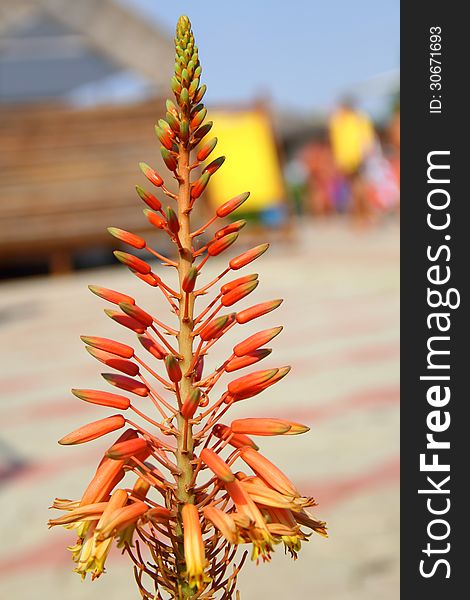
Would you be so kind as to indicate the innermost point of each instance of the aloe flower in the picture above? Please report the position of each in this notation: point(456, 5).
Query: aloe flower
point(184, 494)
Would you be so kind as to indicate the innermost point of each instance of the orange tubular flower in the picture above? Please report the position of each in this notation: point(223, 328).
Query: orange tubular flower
point(194, 554)
point(172, 447)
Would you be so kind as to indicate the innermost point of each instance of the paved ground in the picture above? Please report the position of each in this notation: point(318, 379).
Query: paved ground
point(341, 336)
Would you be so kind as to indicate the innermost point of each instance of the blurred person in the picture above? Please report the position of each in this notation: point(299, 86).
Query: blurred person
point(352, 141)
point(321, 182)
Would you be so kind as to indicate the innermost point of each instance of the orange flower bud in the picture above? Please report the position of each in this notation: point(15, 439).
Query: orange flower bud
point(169, 159)
point(126, 449)
point(108, 346)
point(94, 430)
point(232, 204)
point(190, 280)
point(126, 383)
point(214, 166)
point(194, 555)
point(103, 398)
point(150, 278)
point(155, 219)
point(132, 262)
point(164, 136)
point(191, 403)
point(128, 238)
point(110, 295)
point(247, 257)
point(231, 285)
point(113, 361)
point(217, 246)
point(251, 382)
point(153, 347)
point(253, 426)
point(200, 185)
point(173, 368)
point(249, 359)
point(198, 118)
point(206, 149)
point(256, 340)
point(238, 293)
point(223, 522)
point(237, 440)
point(273, 476)
point(257, 310)
point(121, 519)
point(233, 227)
point(201, 132)
point(136, 313)
point(159, 514)
point(149, 199)
point(125, 320)
point(296, 428)
point(151, 175)
point(213, 328)
point(172, 218)
point(217, 465)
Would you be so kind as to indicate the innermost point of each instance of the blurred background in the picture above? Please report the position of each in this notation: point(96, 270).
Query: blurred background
point(305, 102)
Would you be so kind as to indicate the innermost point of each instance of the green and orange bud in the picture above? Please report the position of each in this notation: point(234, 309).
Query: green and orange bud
point(155, 219)
point(191, 403)
point(223, 522)
point(173, 122)
point(264, 427)
point(217, 465)
point(103, 398)
point(201, 132)
point(258, 310)
point(173, 368)
point(247, 257)
point(297, 428)
point(164, 137)
point(113, 361)
point(127, 384)
point(169, 159)
point(231, 285)
point(250, 383)
point(184, 130)
point(237, 440)
point(128, 238)
point(133, 262)
point(189, 280)
point(151, 175)
point(93, 430)
point(125, 320)
point(194, 554)
point(110, 295)
point(149, 199)
point(206, 149)
point(213, 328)
point(171, 108)
point(199, 368)
point(199, 185)
point(110, 346)
point(200, 94)
point(265, 469)
point(214, 166)
point(198, 118)
point(240, 362)
point(135, 312)
point(239, 293)
point(232, 228)
point(153, 347)
point(126, 449)
point(172, 218)
point(228, 207)
point(256, 340)
point(217, 246)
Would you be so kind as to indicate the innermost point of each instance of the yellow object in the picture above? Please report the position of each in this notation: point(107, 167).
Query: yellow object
point(246, 139)
point(352, 135)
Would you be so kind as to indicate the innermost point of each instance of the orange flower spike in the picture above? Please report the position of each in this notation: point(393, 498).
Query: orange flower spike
point(151, 175)
point(249, 359)
point(93, 430)
point(263, 427)
point(127, 237)
point(191, 403)
point(258, 310)
point(135, 312)
point(126, 383)
point(232, 204)
point(238, 293)
point(217, 465)
point(217, 246)
point(108, 345)
point(194, 554)
point(231, 285)
point(110, 295)
point(153, 347)
point(247, 257)
point(103, 398)
point(113, 361)
point(256, 341)
point(125, 320)
point(233, 227)
point(237, 440)
point(126, 449)
point(149, 199)
point(131, 261)
point(173, 368)
point(224, 523)
point(273, 476)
